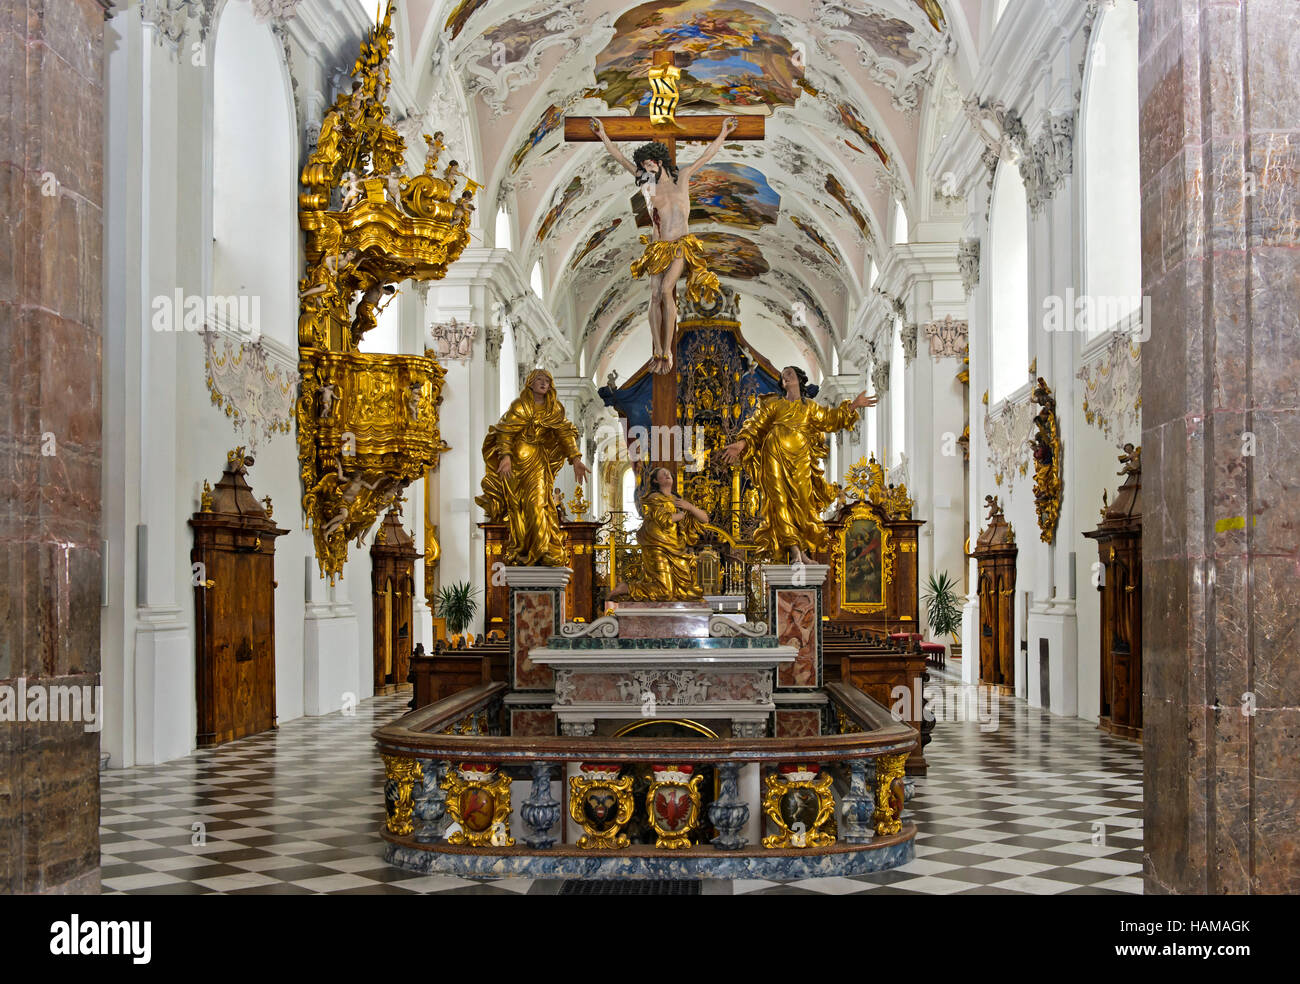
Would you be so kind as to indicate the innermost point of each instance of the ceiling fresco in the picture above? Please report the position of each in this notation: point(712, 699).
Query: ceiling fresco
point(734, 194)
point(460, 16)
point(843, 84)
point(596, 238)
point(733, 256)
point(738, 58)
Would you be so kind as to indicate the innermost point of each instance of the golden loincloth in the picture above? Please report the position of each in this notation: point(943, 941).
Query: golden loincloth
point(701, 284)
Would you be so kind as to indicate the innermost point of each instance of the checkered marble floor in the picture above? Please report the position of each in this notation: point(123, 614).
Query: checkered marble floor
point(1042, 805)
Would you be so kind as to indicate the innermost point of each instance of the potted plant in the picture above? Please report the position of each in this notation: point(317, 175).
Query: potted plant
point(943, 607)
point(456, 603)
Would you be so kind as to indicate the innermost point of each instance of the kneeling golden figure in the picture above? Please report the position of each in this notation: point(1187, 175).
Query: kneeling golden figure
point(670, 526)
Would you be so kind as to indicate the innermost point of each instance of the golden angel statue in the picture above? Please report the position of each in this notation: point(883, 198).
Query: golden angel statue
point(522, 454)
point(782, 447)
point(670, 526)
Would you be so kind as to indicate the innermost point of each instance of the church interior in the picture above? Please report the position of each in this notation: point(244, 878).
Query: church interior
point(545, 447)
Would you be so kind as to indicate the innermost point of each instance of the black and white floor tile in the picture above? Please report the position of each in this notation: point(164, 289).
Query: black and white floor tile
point(1043, 805)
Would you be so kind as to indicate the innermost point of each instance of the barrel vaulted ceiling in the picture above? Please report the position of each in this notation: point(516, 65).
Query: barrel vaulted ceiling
point(851, 90)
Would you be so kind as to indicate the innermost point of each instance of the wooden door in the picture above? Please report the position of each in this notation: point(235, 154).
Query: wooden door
point(257, 713)
point(1006, 633)
point(988, 627)
point(237, 690)
point(1107, 598)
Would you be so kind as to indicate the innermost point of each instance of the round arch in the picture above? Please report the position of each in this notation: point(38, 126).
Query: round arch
point(254, 180)
point(1008, 283)
point(1111, 178)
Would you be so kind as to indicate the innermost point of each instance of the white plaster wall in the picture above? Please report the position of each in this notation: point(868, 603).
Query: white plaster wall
point(162, 434)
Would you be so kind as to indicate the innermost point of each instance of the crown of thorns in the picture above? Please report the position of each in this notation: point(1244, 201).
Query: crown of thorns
point(658, 152)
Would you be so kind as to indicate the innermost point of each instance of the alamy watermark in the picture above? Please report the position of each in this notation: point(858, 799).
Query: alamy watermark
point(233, 313)
point(659, 442)
point(37, 703)
point(1098, 312)
point(947, 703)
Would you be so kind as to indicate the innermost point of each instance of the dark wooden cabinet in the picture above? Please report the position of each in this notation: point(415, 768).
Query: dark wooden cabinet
point(995, 555)
point(392, 582)
point(233, 570)
point(1119, 545)
point(496, 595)
point(580, 596)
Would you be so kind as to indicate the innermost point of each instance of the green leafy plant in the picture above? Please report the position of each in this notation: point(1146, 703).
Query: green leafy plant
point(456, 603)
point(942, 605)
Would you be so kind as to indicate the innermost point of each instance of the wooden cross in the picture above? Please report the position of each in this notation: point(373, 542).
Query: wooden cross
point(577, 129)
point(701, 129)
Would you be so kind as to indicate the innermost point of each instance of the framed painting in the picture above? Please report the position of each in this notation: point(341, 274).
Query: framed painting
point(866, 560)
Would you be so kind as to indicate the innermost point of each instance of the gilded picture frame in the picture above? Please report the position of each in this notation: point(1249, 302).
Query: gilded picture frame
point(864, 561)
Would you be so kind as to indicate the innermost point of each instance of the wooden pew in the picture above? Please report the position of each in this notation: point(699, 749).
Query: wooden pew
point(877, 665)
point(446, 671)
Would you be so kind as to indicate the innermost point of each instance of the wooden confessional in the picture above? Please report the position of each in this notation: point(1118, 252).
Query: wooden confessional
point(233, 569)
point(995, 555)
point(1119, 543)
point(392, 582)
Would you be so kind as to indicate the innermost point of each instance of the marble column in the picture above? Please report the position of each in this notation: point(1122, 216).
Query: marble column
point(51, 179)
point(1218, 108)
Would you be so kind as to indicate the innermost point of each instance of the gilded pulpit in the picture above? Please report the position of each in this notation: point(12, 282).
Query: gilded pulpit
point(367, 424)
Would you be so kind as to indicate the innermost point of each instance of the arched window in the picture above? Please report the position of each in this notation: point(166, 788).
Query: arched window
point(1009, 284)
point(871, 423)
point(897, 403)
point(503, 229)
point(507, 369)
point(632, 519)
point(901, 232)
point(1113, 257)
point(254, 228)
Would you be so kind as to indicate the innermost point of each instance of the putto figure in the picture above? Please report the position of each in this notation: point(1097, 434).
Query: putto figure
point(782, 447)
point(522, 454)
point(667, 569)
point(670, 248)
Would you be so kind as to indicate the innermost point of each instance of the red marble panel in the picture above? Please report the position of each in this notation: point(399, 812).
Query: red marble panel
point(739, 687)
point(534, 617)
point(798, 724)
point(601, 687)
point(796, 625)
point(532, 724)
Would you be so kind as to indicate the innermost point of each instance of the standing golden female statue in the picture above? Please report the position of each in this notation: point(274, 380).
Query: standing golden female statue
point(667, 569)
point(522, 454)
point(782, 447)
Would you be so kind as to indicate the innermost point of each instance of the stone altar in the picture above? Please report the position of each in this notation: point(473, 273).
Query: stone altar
point(666, 660)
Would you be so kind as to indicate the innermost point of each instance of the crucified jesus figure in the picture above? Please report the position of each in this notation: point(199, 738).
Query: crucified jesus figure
point(670, 248)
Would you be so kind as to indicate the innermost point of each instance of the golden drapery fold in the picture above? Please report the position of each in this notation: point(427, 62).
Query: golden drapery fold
point(667, 569)
point(539, 439)
point(701, 284)
point(784, 449)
